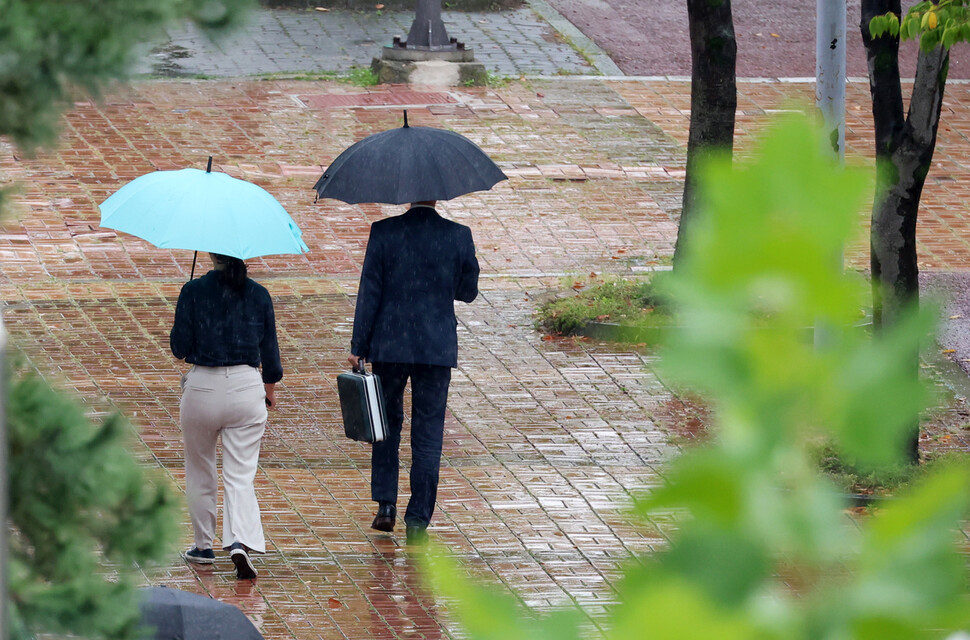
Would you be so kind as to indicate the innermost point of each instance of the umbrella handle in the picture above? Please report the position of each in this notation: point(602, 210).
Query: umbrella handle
point(194, 256)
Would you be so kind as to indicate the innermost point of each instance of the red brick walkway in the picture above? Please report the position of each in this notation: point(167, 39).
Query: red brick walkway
point(546, 440)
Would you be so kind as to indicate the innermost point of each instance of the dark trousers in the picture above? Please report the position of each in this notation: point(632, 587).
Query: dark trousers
point(429, 396)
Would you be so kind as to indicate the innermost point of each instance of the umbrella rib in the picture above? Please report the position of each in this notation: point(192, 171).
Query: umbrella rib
point(463, 147)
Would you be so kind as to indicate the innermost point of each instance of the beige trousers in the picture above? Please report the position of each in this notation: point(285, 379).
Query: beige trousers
point(226, 401)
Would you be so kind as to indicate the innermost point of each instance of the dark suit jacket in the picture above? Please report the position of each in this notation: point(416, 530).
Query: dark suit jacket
point(416, 265)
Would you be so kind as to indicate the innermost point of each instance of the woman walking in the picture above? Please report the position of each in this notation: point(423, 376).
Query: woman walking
point(225, 327)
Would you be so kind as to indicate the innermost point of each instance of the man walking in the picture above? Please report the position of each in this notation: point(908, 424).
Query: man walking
point(415, 267)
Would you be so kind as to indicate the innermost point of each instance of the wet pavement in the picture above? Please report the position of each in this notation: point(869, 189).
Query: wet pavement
point(291, 41)
point(546, 441)
point(774, 39)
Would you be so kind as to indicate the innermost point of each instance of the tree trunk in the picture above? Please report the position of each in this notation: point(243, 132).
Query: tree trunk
point(904, 152)
point(713, 98)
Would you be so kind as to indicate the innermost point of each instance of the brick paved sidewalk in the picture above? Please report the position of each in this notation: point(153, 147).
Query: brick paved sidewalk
point(546, 440)
point(288, 41)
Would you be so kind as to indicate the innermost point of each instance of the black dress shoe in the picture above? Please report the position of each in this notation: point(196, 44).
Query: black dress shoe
point(384, 520)
point(416, 535)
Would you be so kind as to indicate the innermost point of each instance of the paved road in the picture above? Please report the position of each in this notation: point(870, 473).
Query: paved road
point(775, 39)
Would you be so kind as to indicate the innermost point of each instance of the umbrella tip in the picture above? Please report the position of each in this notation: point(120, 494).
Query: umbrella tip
point(405, 118)
point(208, 168)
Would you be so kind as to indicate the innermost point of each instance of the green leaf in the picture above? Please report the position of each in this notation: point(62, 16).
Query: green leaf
point(707, 483)
point(727, 565)
point(950, 36)
point(878, 26)
point(913, 24)
point(893, 25)
point(911, 576)
point(673, 609)
point(487, 614)
point(929, 40)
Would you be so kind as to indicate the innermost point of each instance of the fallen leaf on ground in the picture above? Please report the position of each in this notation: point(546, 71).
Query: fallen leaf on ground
point(322, 9)
point(334, 603)
point(957, 317)
point(949, 351)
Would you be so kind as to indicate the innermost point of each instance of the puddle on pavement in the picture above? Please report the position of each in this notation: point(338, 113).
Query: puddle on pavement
point(167, 55)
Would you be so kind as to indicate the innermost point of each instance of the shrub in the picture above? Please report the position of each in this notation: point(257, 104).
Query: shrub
point(612, 300)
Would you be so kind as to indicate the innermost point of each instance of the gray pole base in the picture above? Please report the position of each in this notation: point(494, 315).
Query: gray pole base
point(430, 72)
point(424, 54)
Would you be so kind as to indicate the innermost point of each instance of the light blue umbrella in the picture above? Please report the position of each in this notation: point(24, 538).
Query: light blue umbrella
point(203, 211)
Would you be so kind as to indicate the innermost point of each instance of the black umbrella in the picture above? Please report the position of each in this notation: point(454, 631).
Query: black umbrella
point(172, 614)
point(410, 164)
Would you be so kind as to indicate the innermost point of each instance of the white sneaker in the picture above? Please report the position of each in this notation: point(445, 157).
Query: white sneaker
point(244, 565)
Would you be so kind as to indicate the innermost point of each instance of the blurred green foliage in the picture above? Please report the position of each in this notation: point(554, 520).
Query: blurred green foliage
point(52, 49)
point(83, 514)
point(764, 547)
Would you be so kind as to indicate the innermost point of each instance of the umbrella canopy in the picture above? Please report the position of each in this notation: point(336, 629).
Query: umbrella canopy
point(410, 164)
point(172, 614)
point(203, 211)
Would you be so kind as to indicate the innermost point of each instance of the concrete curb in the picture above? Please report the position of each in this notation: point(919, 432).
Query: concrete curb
point(686, 79)
point(597, 57)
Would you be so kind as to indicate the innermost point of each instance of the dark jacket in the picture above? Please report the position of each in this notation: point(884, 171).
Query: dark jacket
point(416, 265)
point(216, 327)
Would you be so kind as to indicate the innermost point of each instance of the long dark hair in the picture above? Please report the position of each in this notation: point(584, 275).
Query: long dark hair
point(233, 274)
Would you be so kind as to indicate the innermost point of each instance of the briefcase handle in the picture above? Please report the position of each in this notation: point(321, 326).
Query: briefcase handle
point(360, 366)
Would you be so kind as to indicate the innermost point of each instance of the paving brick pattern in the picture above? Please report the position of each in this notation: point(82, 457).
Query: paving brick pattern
point(508, 43)
point(546, 440)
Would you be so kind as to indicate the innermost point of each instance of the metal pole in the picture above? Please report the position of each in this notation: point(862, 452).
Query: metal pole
point(428, 30)
point(830, 70)
point(830, 95)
